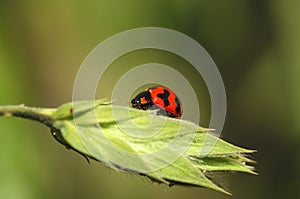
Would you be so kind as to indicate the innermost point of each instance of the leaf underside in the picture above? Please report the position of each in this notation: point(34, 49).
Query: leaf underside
point(167, 150)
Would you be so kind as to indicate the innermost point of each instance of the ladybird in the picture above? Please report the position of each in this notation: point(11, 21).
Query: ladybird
point(162, 97)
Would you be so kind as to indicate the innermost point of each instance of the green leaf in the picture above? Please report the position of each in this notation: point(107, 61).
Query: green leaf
point(166, 150)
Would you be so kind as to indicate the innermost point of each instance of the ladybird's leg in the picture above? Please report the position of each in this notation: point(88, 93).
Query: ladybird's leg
point(169, 114)
point(165, 113)
point(161, 111)
point(154, 108)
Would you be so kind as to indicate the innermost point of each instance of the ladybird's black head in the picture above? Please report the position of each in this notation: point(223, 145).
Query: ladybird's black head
point(142, 101)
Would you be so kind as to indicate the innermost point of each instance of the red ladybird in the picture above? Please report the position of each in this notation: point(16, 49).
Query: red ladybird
point(159, 96)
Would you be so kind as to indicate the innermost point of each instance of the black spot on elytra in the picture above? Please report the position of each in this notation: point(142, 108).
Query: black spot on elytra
point(177, 102)
point(164, 96)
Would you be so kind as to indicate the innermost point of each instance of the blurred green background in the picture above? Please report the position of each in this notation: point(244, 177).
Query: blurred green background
point(255, 45)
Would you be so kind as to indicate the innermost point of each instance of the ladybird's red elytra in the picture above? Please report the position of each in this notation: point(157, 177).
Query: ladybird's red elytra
point(160, 96)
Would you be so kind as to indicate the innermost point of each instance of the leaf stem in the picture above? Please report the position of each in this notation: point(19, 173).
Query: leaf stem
point(42, 115)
